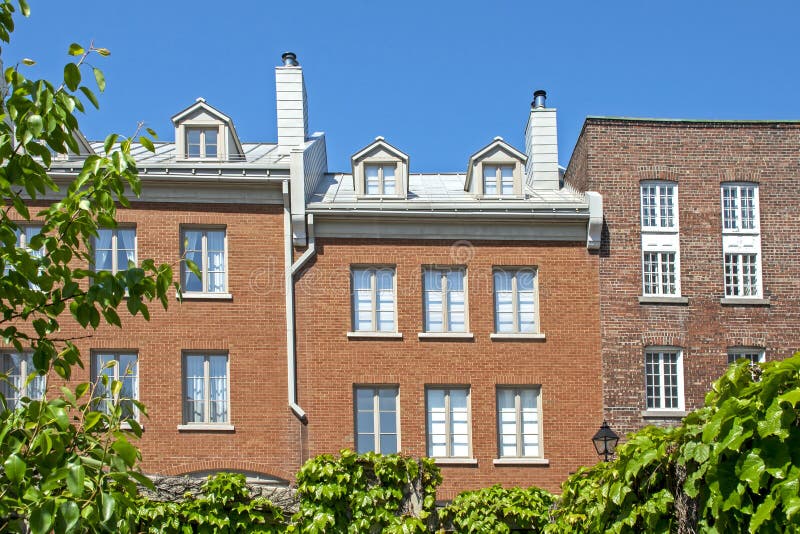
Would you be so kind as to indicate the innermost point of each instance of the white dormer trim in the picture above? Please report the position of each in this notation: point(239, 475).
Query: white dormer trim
point(497, 153)
point(380, 153)
point(203, 116)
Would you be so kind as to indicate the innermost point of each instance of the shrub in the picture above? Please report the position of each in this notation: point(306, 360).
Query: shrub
point(498, 510)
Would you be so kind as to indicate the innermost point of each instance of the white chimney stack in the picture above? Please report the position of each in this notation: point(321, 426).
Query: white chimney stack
point(290, 90)
point(541, 145)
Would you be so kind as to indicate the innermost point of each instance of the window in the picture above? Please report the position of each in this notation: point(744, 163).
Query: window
point(206, 388)
point(380, 179)
point(444, 300)
point(660, 240)
point(19, 384)
point(122, 367)
point(114, 249)
point(24, 234)
point(377, 420)
point(741, 241)
point(515, 306)
point(664, 379)
point(518, 422)
point(498, 180)
point(448, 422)
point(201, 142)
point(754, 355)
point(207, 248)
point(373, 299)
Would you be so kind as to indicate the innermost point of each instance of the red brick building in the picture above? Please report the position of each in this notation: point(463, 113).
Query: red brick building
point(699, 255)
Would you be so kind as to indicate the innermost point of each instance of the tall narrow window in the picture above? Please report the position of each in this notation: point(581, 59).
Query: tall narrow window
point(448, 422)
point(207, 248)
point(518, 422)
point(373, 299)
point(753, 354)
point(201, 142)
point(380, 179)
point(445, 300)
point(515, 301)
point(664, 379)
point(21, 382)
point(24, 234)
point(206, 388)
point(498, 180)
point(114, 249)
point(122, 367)
point(377, 419)
point(660, 240)
point(741, 240)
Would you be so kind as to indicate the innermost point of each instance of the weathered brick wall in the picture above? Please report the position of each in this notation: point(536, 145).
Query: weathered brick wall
point(612, 157)
point(566, 364)
point(250, 327)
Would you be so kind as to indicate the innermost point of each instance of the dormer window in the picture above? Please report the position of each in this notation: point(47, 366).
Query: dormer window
point(380, 179)
point(380, 171)
point(201, 142)
point(498, 180)
point(496, 171)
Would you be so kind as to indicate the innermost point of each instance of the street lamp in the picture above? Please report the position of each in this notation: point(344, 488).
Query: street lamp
point(605, 441)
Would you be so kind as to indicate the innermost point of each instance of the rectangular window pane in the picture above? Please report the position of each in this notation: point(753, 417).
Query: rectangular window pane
point(748, 203)
point(195, 389)
point(211, 143)
point(456, 305)
point(193, 143)
point(648, 205)
point(389, 182)
point(663, 389)
point(489, 179)
point(433, 301)
point(372, 180)
point(507, 179)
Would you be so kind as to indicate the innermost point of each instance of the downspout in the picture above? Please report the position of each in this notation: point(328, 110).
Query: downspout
point(290, 270)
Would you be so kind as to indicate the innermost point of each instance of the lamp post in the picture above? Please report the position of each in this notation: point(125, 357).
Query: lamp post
point(605, 441)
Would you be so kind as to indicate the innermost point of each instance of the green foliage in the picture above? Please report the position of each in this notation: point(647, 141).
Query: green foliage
point(732, 466)
point(225, 506)
point(366, 493)
point(498, 510)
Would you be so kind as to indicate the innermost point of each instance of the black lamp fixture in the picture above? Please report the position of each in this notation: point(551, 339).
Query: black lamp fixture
point(605, 441)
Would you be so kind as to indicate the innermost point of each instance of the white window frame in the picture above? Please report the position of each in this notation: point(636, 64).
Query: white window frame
point(443, 272)
point(376, 428)
point(204, 277)
point(754, 354)
point(448, 420)
point(381, 165)
point(373, 270)
point(114, 248)
point(660, 238)
point(203, 146)
point(514, 271)
point(498, 179)
point(740, 242)
point(660, 351)
point(119, 374)
point(22, 242)
point(517, 390)
point(26, 368)
point(206, 389)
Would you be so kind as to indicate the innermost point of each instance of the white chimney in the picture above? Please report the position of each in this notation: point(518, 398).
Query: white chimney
point(290, 93)
point(541, 145)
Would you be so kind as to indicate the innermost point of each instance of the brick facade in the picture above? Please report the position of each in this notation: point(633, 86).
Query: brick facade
point(612, 156)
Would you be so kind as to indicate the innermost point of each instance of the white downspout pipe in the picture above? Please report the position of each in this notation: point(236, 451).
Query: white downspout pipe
point(290, 270)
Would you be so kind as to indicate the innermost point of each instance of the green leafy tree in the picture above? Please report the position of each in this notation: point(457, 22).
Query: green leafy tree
point(498, 510)
point(66, 466)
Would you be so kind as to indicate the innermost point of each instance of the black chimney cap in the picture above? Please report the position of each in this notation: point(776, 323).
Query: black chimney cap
point(289, 59)
point(539, 92)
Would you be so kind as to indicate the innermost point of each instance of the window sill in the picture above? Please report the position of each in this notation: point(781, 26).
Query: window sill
point(206, 428)
point(375, 335)
point(663, 300)
point(127, 426)
point(743, 301)
point(456, 461)
point(664, 414)
point(206, 296)
point(445, 335)
point(516, 337)
point(521, 461)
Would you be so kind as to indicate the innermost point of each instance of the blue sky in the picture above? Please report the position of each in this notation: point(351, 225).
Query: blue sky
point(438, 79)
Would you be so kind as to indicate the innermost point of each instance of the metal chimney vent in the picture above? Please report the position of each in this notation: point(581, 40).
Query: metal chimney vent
point(289, 59)
point(539, 98)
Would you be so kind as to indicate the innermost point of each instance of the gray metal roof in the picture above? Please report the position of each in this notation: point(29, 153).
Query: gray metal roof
point(438, 191)
point(255, 154)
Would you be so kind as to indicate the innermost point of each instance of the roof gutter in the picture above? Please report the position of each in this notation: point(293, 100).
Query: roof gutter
point(290, 270)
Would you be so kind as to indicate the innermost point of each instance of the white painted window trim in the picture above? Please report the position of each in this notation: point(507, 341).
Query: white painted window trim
point(114, 247)
point(652, 244)
point(24, 372)
point(738, 241)
point(373, 270)
point(738, 352)
point(117, 369)
point(679, 365)
point(450, 459)
point(516, 333)
point(203, 128)
point(443, 271)
point(204, 294)
point(660, 239)
point(206, 424)
point(659, 184)
point(381, 164)
point(376, 428)
point(516, 185)
point(517, 390)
